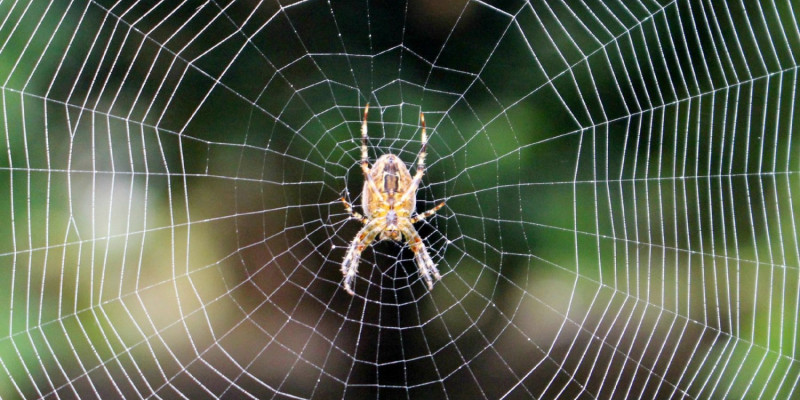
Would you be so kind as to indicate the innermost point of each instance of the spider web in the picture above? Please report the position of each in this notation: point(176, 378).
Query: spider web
point(621, 184)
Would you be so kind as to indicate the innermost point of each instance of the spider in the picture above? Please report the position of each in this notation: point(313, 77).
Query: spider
point(389, 199)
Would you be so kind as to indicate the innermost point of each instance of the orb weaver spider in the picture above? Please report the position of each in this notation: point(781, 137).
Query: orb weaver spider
point(389, 199)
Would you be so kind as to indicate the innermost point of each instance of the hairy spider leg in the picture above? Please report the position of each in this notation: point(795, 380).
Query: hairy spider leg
point(420, 159)
point(426, 214)
point(423, 152)
point(364, 153)
point(412, 188)
point(365, 156)
point(421, 257)
point(363, 238)
point(349, 208)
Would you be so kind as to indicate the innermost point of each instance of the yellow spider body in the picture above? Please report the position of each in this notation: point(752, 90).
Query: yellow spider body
point(389, 200)
point(392, 180)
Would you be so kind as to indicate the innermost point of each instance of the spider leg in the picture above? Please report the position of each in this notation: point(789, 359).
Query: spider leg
point(363, 238)
point(423, 259)
point(426, 214)
point(364, 151)
point(423, 152)
point(353, 214)
point(365, 155)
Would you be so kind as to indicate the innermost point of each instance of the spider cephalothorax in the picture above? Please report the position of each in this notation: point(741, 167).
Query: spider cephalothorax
point(389, 199)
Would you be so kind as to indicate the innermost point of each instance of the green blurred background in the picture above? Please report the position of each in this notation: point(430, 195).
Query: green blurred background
point(621, 183)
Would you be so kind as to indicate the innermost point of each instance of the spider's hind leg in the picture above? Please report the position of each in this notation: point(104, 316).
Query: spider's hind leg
point(364, 152)
point(423, 151)
point(365, 169)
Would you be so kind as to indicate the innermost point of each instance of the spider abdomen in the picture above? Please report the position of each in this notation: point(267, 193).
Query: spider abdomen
point(392, 180)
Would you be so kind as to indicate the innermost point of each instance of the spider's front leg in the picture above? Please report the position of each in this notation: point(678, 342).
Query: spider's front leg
point(421, 257)
point(363, 238)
